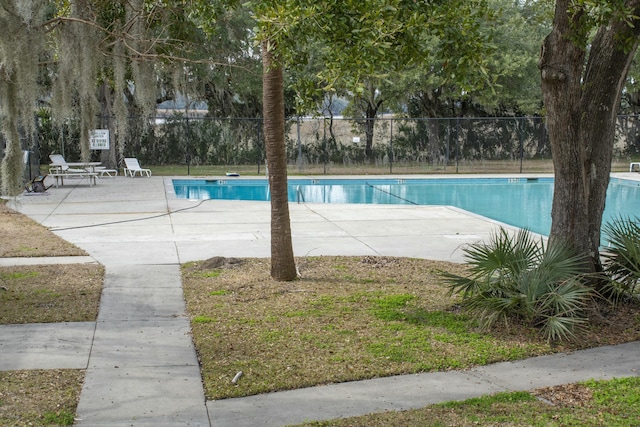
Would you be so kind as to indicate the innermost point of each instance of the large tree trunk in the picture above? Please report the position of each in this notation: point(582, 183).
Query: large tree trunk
point(283, 265)
point(370, 107)
point(369, 127)
point(582, 100)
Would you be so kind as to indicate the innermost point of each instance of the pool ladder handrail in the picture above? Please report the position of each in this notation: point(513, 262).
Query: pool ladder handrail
point(299, 194)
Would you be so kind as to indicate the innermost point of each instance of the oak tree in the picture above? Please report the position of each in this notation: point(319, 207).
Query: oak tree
point(583, 64)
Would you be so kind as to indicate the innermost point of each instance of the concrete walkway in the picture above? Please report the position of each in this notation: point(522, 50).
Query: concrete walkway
point(416, 391)
point(141, 365)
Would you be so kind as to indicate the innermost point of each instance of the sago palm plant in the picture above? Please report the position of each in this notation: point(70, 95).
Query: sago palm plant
point(622, 259)
point(519, 277)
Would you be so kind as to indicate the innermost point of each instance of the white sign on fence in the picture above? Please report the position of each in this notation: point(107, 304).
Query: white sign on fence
point(99, 139)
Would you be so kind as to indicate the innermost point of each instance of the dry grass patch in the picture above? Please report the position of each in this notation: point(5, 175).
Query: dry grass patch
point(23, 237)
point(39, 397)
point(50, 293)
point(347, 318)
point(42, 293)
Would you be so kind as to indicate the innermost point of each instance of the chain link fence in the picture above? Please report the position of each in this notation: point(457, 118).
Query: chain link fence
point(338, 145)
point(419, 145)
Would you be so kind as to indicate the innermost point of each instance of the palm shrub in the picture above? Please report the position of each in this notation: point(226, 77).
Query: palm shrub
point(517, 277)
point(622, 259)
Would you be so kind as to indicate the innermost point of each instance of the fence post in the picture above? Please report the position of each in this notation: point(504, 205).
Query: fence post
point(448, 148)
point(519, 127)
point(259, 159)
point(457, 141)
point(324, 146)
point(187, 154)
point(299, 145)
point(391, 147)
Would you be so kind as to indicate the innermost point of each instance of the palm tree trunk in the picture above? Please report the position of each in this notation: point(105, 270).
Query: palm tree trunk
point(283, 265)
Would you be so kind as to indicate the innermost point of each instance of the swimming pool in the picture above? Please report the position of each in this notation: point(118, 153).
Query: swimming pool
point(521, 202)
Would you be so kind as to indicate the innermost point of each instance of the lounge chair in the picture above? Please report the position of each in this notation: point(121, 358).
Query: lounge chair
point(132, 167)
point(59, 165)
point(102, 171)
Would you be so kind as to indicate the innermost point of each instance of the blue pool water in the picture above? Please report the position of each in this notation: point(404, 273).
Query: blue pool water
point(521, 202)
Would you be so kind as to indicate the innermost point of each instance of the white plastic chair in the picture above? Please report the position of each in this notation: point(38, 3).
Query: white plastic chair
point(59, 165)
point(132, 167)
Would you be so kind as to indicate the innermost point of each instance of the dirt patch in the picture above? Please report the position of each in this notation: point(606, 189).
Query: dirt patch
point(568, 395)
point(219, 262)
point(39, 397)
point(23, 237)
point(50, 293)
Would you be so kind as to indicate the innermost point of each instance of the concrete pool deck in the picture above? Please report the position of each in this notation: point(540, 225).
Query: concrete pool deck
point(146, 223)
point(141, 365)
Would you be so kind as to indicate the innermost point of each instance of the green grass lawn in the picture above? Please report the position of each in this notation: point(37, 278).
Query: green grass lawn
point(614, 403)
